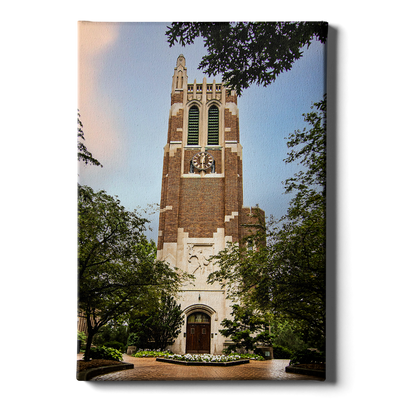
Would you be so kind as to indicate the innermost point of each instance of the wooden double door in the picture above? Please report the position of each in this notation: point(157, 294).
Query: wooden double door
point(198, 334)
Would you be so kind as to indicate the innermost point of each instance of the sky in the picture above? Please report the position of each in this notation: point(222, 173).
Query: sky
point(124, 85)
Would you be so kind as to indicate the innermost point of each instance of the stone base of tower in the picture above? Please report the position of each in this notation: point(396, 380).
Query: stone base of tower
point(204, 305)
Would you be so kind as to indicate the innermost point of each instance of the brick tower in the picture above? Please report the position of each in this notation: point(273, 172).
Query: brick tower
point(201, 207)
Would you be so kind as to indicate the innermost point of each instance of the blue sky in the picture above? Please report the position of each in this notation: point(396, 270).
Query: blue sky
point(125, 78)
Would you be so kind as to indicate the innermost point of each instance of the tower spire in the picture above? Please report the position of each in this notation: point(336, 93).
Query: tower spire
point(181, 61)
point(179, 80)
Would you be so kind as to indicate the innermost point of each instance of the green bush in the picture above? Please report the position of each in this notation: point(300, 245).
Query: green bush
point(116, 345)
point(282, 352)
point(105, 353)
point(307, 357)
point(248, 356)
point(158, 327)
point(151, 353)
point(82, 337)
point(134, 340)
point(111, 332)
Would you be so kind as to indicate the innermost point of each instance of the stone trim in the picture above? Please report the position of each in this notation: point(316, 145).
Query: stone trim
point(232, 216)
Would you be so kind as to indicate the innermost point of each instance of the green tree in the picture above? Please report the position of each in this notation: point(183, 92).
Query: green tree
point(286, 334)
point(287, 275)
point(248, 52)
point(248, 328)
point(117, 266)
point(112, 332)
point(158, 327)
point(83, 153)
point(310, 183)
point(303, 235)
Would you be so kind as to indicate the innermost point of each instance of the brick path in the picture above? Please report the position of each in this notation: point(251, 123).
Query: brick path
point(148, 369)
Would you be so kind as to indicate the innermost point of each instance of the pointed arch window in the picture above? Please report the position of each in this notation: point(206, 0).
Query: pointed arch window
point(213, 126)
point(193, 126)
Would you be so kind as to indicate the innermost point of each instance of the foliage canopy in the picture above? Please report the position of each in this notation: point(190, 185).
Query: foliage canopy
point(247, 328)
point(157, 327)
point(83, 153)
point(117, 266)
point(248, 52)
point(286, 276)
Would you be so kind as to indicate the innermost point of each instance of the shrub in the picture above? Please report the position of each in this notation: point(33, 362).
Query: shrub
point(116, 345)
point(159, 327)
point(134, 340)
point(247, 329)
point(249, 356)
point(307, 357)
point(82, 337)
point(105, 353)
point(282, 352)
point(151, 353)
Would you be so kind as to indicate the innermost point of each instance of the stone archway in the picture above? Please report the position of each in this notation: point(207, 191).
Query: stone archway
point(200, 308)
point(198, 333)
point(198, 328)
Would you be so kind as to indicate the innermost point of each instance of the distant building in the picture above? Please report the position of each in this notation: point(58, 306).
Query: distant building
point(201, 201)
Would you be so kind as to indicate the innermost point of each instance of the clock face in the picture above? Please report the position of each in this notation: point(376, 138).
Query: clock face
point(202, 160)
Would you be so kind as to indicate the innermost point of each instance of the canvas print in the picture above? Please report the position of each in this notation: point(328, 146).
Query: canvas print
point(201, 201)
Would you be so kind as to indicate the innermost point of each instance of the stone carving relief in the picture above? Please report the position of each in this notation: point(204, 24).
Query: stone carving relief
point(198, 259)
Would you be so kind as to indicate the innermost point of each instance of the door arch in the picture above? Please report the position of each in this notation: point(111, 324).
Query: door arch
point(198, 333)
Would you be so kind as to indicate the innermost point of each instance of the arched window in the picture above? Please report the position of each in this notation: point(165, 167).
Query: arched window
point(193, 126)
point(213, 126)
point(198, 317)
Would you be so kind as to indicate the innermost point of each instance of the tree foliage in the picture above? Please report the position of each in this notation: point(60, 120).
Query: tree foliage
point(310, 183)
point(287, 275)
point(83, 153)
point(248, 52)
point(158, 327)
point(286, 335)
point(248, 328)
point(117, 266)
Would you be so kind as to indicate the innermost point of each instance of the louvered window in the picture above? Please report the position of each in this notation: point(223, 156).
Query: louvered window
point(213, 126)
point(193, 128)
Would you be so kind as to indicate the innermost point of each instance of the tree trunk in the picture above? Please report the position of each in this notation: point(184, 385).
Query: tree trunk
point(88, 345)
point(92, 330)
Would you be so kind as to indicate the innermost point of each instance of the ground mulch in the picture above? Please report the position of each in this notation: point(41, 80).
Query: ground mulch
point(83, 365)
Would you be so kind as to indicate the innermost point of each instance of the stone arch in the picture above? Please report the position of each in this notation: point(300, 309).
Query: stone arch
point(214, 102)
point(199, 308)
point(198, 330)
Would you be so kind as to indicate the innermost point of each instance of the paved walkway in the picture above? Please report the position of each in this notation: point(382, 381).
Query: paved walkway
point(148, 369)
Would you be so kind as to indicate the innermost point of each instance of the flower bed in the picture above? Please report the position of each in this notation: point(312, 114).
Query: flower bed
point(202, 357)
point(198, 359)
point(207, 359)
point(248, 356)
